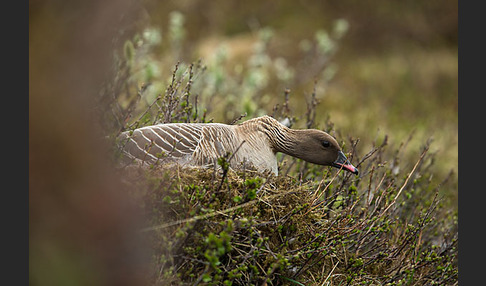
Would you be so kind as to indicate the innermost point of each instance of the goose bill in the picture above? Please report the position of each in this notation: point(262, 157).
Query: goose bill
point(342, 162)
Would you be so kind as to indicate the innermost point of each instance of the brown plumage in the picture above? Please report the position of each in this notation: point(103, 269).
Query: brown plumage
point(258, 140)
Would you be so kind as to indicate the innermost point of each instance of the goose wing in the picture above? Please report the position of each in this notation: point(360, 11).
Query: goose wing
point(176, 141)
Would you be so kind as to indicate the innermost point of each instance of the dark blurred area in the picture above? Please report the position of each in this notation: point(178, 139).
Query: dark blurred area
point(82, 225)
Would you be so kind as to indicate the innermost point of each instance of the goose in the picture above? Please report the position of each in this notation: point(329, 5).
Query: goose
point(254, 142)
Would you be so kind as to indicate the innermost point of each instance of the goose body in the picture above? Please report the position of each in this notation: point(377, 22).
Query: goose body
point(253, 142)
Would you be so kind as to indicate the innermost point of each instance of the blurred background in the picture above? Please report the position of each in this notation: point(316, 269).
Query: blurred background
point(386, 68)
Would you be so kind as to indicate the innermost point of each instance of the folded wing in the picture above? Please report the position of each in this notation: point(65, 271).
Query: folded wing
point(176, 141)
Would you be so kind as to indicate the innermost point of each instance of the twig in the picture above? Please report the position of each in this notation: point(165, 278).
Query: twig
point(406, 180)
point(400, 191)
point(238, 118)
point(314, 199)
point(226, 168)
point(330, 273)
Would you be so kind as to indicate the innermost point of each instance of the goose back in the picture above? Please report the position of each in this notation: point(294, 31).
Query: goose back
point(198, 144)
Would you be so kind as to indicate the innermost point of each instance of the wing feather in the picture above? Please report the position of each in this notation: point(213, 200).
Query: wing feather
point(158, 142)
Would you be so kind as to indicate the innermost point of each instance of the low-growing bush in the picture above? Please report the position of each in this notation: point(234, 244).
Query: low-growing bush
point(245, 228)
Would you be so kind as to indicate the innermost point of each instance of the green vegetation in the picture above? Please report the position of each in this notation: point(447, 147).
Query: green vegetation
point(394, 224)
point(244, 228)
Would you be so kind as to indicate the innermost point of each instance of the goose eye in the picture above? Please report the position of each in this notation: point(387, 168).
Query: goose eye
point(326, 144)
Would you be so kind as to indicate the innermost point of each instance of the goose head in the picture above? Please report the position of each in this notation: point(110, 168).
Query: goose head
point(318, 147)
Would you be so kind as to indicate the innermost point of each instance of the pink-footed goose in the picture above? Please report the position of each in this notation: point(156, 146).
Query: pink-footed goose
point(253, 142)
